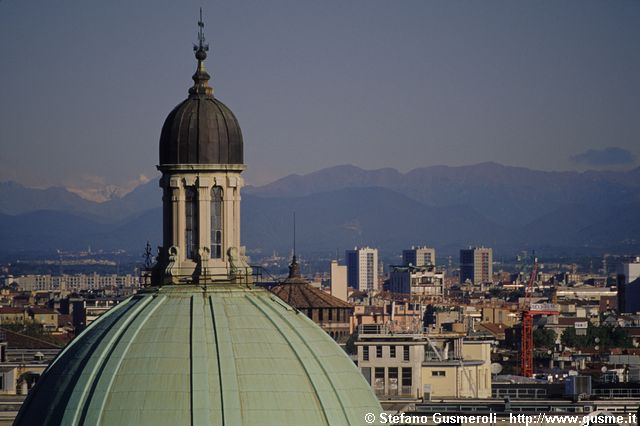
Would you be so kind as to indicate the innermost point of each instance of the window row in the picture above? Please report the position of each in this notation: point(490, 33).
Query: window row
point(392, 352)
point(393, 374)
point(328, 314)
point(392, 381)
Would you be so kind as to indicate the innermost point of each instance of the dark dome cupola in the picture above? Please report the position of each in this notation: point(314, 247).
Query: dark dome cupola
point(201, 129)
point(201, 163)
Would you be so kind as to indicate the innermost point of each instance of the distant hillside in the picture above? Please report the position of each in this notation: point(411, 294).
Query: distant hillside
point(508, 208)
point(362, 216)
point(17, 199)
point(506, 195)
point(48, 230)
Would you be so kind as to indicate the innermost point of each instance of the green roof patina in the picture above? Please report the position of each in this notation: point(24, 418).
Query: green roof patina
point(218, 355)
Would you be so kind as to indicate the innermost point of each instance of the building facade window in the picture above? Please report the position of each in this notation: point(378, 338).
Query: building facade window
point(191, 217)
point(393, 380)
point(365, 353)
point(405, 353)
point(392, 351)
point(406, 377)
point(216, 222)
point(370, 271)
point(438, 373)
point(378, 382)
point(378, 351)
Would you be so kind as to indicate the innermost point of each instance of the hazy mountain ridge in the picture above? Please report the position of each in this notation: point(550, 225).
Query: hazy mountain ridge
point(343, 206)
point(488, 173)
point(361, 216)
point(510, 195)
point(326, 221)
point(17, 199)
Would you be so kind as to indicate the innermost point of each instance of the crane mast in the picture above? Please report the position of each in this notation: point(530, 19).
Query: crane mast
point(529, 311)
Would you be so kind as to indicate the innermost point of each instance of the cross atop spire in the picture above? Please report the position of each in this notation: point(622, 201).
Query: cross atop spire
point(201, 77)
point(202, 46)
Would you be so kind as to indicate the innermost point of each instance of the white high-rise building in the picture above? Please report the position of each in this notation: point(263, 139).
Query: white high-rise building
point(629, 271)
point(362, 268)
point(629, 287)
point(419, 256)
point(476, 265)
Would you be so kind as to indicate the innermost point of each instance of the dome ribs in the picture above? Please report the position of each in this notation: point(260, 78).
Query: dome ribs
point(303, 360)
point(93, 410)
point(201, 130)
point(188, 354)
point(223, 135)
point(234, 136)
point(67, 375)
point(198, 356)
point(227, 374)
point(188, 141)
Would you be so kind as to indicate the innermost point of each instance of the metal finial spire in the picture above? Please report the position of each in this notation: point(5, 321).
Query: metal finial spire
point(201, 77)
point(201, 40)
point(294, 268)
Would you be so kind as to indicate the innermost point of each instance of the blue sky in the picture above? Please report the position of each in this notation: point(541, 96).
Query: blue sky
point(548, 85)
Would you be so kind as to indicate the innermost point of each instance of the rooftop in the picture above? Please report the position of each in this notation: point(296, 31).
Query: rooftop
point(297, 292)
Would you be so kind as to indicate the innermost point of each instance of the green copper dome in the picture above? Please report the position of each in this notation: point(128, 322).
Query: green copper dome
point(188, 355)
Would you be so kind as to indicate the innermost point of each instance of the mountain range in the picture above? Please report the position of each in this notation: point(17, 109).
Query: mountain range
point(509, 208)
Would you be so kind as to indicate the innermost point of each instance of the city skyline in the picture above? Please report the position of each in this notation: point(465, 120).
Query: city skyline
point(540, 314)
point(538, 86)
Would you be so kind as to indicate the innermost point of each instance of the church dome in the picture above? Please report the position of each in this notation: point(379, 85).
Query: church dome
point(220, 354)
point(201, 129)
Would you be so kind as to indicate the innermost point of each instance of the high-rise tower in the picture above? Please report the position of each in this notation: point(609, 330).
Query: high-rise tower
point(362, 268)
point(419, 256)
point(476, 265)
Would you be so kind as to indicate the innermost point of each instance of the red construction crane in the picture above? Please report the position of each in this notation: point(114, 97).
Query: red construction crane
point(529, 311)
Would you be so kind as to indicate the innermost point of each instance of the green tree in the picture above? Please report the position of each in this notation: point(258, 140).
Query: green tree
point(350, 346)
point(603, 336)
point(569, 337)
point(515, 295)
point(544, 338)
point(621, 338)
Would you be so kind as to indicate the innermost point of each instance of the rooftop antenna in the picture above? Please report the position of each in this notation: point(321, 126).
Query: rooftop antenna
point(294, 235)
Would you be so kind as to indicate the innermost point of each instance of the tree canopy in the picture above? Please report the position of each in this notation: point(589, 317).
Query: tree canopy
point(608, 337)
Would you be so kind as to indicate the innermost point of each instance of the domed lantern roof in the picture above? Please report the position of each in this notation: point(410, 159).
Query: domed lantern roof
point(201, 129)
